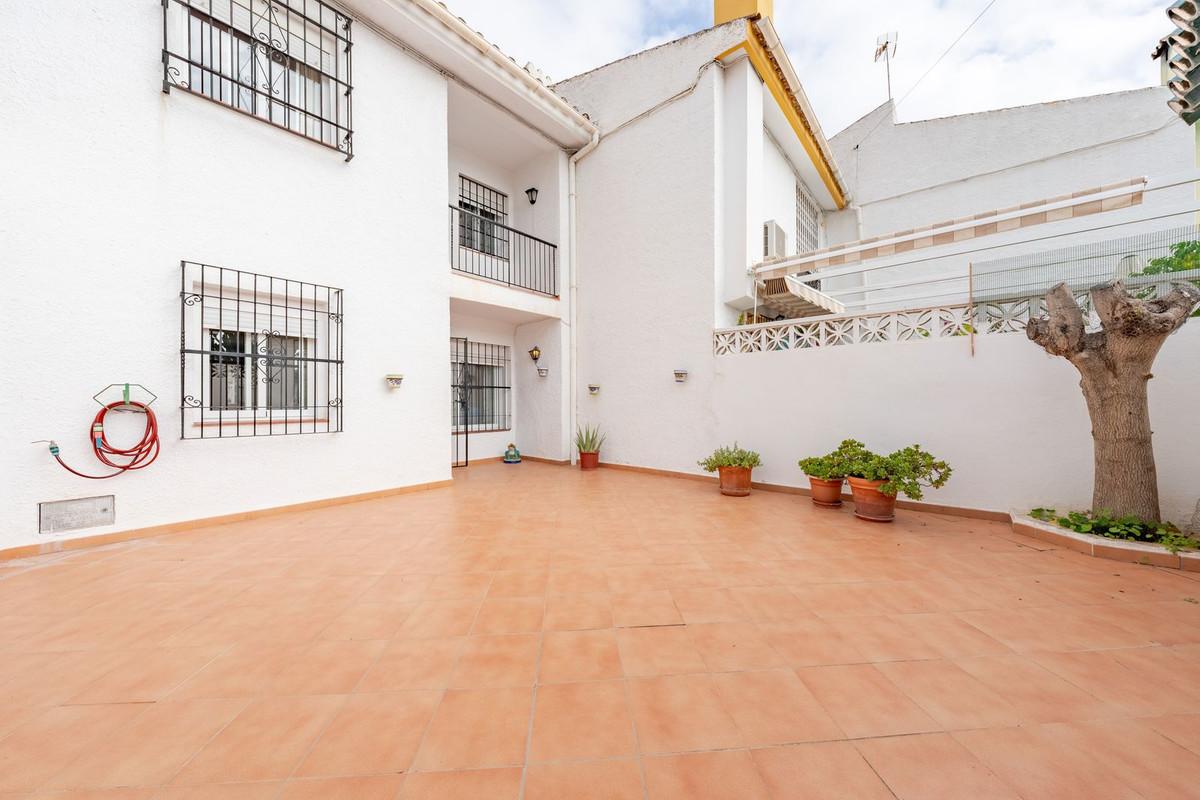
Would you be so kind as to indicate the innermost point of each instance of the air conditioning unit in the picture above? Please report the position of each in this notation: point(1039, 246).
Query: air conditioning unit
point(774, 240)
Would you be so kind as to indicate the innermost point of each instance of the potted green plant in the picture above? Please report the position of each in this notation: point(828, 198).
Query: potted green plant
point(588, 440)
point(734, 465)
point(827, 473)
point(876, 480)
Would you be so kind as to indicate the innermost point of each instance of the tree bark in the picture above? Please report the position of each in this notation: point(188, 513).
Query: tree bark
point(1115, 364)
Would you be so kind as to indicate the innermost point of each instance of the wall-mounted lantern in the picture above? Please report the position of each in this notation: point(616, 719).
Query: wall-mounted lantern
point(535, 353)
point(393, 381)
point(532, 194)
point(680, 375)
point(593, 388)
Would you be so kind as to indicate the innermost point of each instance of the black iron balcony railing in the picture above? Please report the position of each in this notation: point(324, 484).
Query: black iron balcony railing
point(487, 249)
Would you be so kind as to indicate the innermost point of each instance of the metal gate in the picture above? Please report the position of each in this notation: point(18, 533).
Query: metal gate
point(480, 394)
point(460, 445)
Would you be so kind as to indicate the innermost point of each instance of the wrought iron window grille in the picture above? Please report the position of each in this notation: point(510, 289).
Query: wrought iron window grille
point(258, 355)
point(808, 221)
point(286, 62)
point(532, 263)
point(484, 228)
point(480, 392)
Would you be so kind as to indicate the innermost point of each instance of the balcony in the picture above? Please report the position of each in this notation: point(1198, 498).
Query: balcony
point(487, 249)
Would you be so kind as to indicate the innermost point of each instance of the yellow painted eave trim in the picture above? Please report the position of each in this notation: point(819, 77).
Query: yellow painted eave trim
point(760, 59)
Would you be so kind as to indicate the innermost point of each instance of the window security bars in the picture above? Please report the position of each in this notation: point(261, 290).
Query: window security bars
point(481, 371)
point(808, 221)
point(286, 62)
point(482, 243)
point(480, 393)
point(483, 228)
point(258, 356)
point(530, 263)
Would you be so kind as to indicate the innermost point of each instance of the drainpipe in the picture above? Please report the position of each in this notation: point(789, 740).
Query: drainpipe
point(858, 221)
point(574, 279)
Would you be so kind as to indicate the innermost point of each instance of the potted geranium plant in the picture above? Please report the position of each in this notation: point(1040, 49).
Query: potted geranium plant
point(734, 465)
point(827, 473)
point(587, 441)
point(876, 480)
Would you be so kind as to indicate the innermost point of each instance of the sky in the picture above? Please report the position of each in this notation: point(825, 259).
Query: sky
point(1020, 51)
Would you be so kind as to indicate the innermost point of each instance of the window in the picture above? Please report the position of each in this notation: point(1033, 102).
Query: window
point(808, 221)
point(259, 355)
point(480, 390)
point(284, 378)
point(284, 61)
point(227, 373)
point(280, 359)
point(483, 225)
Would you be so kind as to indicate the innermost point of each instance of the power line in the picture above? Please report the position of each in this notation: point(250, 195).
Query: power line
point(932, 66)
point(946, 52)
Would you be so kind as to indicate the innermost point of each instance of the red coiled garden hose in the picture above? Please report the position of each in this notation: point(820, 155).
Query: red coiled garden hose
point(140, 456)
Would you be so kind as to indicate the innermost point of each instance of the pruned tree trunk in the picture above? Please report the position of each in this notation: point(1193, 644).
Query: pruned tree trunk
point(1115, 365)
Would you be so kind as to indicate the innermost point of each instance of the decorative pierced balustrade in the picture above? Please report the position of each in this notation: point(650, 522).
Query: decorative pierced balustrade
point(912, 325)
point(833, 331)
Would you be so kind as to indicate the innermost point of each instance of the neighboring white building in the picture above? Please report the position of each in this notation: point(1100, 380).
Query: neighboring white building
point(995, 159)
point(356, 218)
point(674, 206)
point(908, 175)
point(704, 141)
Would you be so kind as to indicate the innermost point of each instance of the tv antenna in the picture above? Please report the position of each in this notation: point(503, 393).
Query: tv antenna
point(885, 48)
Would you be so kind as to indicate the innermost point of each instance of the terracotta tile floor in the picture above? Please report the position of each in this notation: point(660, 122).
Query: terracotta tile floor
point(535, 632)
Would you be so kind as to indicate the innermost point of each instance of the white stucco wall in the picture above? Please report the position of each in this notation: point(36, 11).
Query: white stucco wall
point(543, 427)
point(614, 93)
point(1011, 420)
point(109, 183)
point(648, 244)
point(739, 156)
point(779, 191)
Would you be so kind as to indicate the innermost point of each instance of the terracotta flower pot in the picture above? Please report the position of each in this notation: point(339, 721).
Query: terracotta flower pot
point(870, 503)
point(826, 493)
point(589, 460)
point(735, 481)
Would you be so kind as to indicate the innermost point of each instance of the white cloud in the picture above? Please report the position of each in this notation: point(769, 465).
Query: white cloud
point(1021, 51)
point(563, 38)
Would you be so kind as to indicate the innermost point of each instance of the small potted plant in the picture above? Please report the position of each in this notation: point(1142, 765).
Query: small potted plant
point(876, 480)
point(587, 441)
point(733, 464)
point(827, 473)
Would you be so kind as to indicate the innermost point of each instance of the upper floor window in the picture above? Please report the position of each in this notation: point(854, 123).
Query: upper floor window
point(484, 225)
point(808, 221)
point(286, 62)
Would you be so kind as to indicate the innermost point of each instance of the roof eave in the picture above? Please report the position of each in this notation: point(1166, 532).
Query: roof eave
point(774, 46)
point(452, 47)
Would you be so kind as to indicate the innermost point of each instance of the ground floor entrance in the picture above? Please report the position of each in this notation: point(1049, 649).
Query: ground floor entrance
point(480, 396)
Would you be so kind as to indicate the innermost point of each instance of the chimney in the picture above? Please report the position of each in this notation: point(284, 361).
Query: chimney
point(728, 10)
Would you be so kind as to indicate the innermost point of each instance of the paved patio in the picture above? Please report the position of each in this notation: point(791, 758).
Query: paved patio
point(537, 632)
